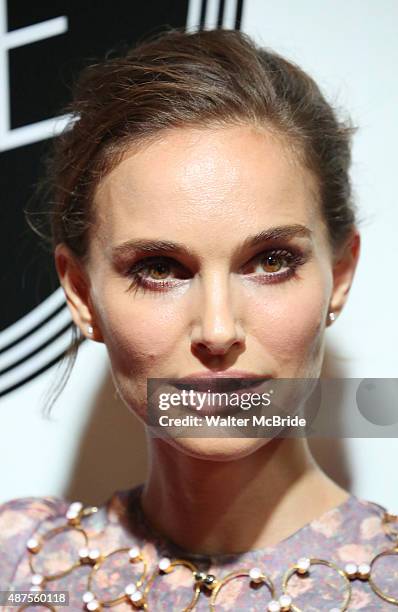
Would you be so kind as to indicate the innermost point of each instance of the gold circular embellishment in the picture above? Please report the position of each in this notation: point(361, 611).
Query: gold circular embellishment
point(259, 578)
point(304, 568)
point(390, 525)
point(135, 556)
point(76, 512)
point(167, 568)
point(375, 588)
point(45, 538)
point(136, 593)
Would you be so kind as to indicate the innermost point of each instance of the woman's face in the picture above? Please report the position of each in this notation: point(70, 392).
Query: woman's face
point(212, 298)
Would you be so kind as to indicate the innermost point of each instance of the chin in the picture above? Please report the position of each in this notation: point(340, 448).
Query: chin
point(217, 449)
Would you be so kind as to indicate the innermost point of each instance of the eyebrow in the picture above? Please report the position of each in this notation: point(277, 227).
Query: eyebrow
point(131, 247)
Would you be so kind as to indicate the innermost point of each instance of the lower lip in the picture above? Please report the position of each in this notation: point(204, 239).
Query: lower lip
point(210, 409)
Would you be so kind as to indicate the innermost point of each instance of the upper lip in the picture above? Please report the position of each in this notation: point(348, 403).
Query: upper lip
point(218, 381)
point(223, 374)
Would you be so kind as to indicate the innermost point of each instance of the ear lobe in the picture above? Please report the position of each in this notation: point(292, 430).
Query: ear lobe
point(76, 286)
point(343, 271)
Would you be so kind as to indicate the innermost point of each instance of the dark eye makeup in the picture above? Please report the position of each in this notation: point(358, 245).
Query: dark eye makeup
point(152, 273)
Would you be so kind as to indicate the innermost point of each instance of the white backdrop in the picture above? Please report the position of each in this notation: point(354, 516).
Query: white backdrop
point(92, 446)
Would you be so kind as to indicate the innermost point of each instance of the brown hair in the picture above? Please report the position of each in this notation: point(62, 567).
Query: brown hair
point(178, 79)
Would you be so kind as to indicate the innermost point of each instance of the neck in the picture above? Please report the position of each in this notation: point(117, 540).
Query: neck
point(213, 507)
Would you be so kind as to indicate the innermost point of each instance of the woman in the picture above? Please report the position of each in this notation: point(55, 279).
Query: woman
point(203, 227)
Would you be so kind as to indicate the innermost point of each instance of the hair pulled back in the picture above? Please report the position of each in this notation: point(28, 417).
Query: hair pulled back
point(177, 79)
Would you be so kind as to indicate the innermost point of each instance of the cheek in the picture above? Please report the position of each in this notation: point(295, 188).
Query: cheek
point(139, 333)
point(289, 323)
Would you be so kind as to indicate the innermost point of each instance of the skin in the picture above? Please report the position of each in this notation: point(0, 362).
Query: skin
point(209, 189)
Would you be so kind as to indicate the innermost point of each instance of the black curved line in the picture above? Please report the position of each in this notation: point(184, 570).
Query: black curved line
point(203, 15)
point(33, 329)
point(32, 376)
point(37, 350)
point(220, 13)
point(238, 18)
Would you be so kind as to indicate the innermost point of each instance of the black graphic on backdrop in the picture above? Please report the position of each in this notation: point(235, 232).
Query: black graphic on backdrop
point(44, 45)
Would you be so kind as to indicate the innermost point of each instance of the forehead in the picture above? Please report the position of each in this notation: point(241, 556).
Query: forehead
point(194, 183)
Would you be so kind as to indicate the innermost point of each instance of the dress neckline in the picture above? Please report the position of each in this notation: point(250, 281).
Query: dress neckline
point(127, 505)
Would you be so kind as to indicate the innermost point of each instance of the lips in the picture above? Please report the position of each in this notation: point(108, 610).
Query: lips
point(219, 384)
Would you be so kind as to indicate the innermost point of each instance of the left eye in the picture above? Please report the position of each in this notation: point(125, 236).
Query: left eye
point(273, 262)
point(276, 265)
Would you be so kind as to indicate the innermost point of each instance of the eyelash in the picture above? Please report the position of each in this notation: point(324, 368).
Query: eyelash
point(293, 257)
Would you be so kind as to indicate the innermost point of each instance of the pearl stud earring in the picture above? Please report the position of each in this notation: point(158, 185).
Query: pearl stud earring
point(332, 316)
point(90, 329)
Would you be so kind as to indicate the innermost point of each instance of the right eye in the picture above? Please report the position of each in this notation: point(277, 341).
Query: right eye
point(153, 273)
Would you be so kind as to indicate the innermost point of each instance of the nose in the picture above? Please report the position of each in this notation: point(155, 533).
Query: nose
point(216, 328)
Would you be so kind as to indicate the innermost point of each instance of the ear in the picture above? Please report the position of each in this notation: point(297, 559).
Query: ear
point(344, 266)
point(75, 282)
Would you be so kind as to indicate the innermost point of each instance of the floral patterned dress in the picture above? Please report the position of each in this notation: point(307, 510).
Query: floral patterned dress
point(111, 554)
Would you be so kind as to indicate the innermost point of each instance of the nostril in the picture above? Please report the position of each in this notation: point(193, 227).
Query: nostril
point(212, 348)
point(217, 347)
